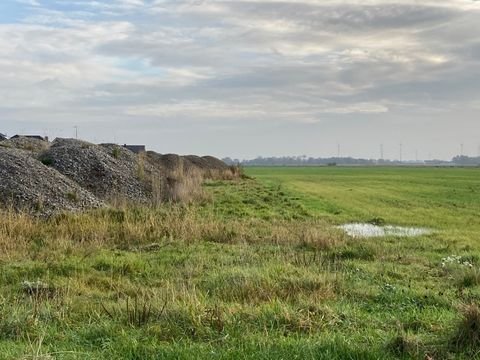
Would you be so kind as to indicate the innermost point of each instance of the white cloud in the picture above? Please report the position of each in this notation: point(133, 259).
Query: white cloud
point(29, 2)
point(290, 62)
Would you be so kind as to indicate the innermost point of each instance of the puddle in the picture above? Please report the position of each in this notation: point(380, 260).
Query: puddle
point(369, 230)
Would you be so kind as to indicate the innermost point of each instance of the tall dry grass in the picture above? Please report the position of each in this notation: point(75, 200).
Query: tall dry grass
point(131, 228)
point(184, 184)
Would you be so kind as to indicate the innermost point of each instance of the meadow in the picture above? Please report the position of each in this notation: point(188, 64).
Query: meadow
point(254, 269)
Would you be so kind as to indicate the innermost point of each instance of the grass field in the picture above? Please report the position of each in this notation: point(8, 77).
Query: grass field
point(255, 270)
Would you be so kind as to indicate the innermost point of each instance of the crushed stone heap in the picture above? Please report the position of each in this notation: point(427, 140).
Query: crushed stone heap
point(28, 185)
point(70, 175)
point(109, 171)
point(33, 146)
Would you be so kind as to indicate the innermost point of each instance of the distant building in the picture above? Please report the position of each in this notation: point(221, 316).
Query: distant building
point(3, 137)
point(137, 149)
point(38, 137)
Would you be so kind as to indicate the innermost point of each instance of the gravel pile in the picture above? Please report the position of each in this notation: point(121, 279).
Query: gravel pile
point(215, 164)
point(33, 146)
point(28, 185)
point(71, 175)
point(171, 164)
point(110, 172)
point(211, 168)
point(174, 165)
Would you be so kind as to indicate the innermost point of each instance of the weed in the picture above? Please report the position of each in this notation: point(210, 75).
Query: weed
point(39, 204)
point(116, 152)
point(36, 352)
point(73, 196)
point(141, 167)
point(356, 252)
point(378, 221)
point(404, 345)
point(38, 289)
point(136, 312)
point(469, 277)
point(467, 333)
point(47, 161)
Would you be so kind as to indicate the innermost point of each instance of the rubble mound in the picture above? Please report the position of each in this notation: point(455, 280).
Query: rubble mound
point(28, 185)
point(211, 167)
point(207, 167)
point(70, 175)
point(33, 146)
point(109, 171)
point(172, 165)
point(214, 163)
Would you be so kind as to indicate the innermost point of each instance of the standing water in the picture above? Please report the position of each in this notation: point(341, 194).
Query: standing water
point(370, 230)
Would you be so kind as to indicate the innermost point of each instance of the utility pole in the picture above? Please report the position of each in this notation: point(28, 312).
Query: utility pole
point(416, 155)
point(401, 152)
point(76, 131)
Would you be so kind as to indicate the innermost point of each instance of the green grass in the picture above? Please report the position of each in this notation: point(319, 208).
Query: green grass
point(257, 270)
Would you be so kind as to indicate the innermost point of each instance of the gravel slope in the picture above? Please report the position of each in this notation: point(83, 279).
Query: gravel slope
point(28, 185)
point(111, 172)
point(72, 175)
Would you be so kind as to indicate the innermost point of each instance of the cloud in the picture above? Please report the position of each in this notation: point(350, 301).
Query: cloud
point(276, 62)
point(28, 2)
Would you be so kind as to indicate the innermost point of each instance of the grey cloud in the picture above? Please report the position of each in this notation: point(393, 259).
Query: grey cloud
point(246, 68)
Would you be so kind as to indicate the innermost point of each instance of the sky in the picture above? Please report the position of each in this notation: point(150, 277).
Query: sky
point(246, 78)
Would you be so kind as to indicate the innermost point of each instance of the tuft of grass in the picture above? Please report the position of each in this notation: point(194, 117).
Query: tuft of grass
point(136, 312)
point(469, 277)
point(404, 345)
point(377, 220)
point(72, 196)
point(116, 152)
point(39, 204)
point(47, 161)
point(183, 184)
point(141, 167)
point(467, 333)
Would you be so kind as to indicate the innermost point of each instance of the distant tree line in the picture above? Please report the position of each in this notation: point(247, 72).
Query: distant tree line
point(466, 160)
point(333, 161)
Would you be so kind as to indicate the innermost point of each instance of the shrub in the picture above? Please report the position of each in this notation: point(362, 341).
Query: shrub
point(47, 161)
